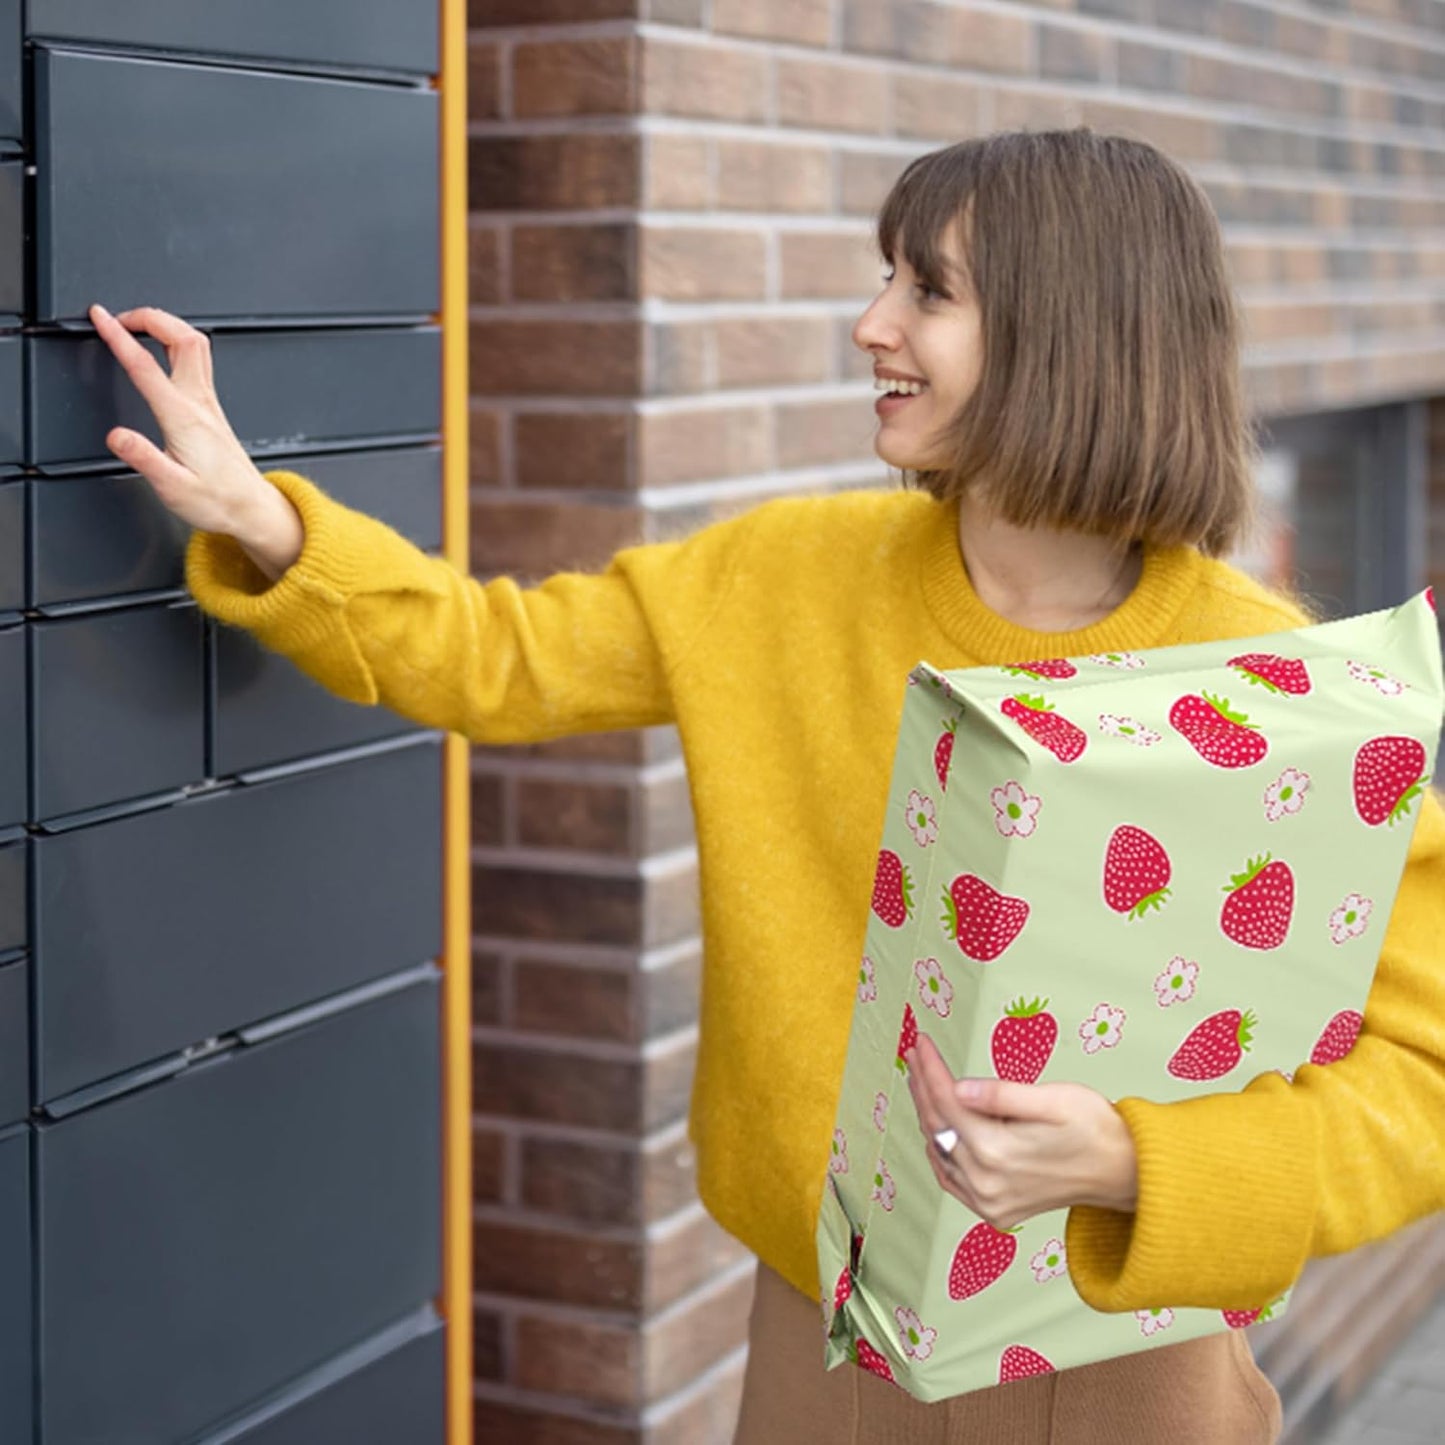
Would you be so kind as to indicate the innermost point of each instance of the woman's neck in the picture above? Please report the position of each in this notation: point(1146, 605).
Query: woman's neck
point(1043, 580)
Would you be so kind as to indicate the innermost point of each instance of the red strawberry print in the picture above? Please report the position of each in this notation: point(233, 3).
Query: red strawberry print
point(1389, 776)
point(1226, 739)
point(980, 919)
point(1338, 1037)
point(1260, 905)
point(1023, 1040)
point(1053, 668)
point(864, 1354)
point(1238, 1319)
point(1214, 1047)
point(1430, 598)
point(1136, 872)
point(907, 1036)
point(892, 890)
point(1274, 673)
point(983, 1254)
point(943, 752)
point(855, 1250)
point(1019, 1361)
point(842, 1289)
point(1046, 727)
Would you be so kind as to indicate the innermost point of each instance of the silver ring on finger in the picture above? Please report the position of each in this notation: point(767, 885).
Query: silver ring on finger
point(946, 1141)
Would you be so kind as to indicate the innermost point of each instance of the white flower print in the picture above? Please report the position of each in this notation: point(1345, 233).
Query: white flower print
point(1103, 1028)
point(916, 1336)
point(880, 1111)
point(1117, 659)
point(922, 818)
point(1152, 1321)
point(867, 982)
point(1286, 794)
point(1051, 1262)
point(933, 988)
point(884, 1189)
point(1380, 681)
point(1175, 984)
point(838, 1160)
point(1128, 728)
point(1349, 919)
point(1016, 813)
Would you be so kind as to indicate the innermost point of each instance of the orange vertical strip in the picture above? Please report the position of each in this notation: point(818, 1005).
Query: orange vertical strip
point(457, 926)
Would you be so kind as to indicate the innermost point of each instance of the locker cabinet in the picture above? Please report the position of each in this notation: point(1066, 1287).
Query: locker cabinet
point(12, 108)
point(14, 896)
point(283, 390)
point(118, 706)
point(16, 1353)
point(94, 537)
point(13, 802)
point(12, 242)
point(371, 1397)
point(377, 34)
point(263, 1211)
point(14, 1045)
point(156, 931)
point(280, 195)
point(12, 399)
point(12, 549)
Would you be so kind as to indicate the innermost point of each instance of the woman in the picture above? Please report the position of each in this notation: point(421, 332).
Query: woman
point(1057, 342)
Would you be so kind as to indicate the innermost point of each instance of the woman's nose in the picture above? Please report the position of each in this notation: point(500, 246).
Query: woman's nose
point(875, 329)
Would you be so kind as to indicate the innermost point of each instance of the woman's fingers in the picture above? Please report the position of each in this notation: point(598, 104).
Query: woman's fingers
point(161, 393)
point(170, 479)
point(188, 350)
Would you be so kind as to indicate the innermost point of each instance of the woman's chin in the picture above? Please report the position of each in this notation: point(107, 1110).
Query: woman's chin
point(893, 452)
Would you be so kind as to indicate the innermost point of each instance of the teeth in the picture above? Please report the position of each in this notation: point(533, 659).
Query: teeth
point(896, 387)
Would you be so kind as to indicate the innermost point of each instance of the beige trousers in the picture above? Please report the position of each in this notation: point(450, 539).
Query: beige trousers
point(1206, 1391)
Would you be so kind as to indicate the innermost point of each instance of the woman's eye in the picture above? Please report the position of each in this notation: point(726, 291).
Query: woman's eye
point(927, 294)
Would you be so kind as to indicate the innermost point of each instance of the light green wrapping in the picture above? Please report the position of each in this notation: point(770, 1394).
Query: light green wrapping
point(1358, 713)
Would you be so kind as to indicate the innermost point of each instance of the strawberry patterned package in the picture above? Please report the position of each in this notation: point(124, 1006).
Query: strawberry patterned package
point(1158, 874)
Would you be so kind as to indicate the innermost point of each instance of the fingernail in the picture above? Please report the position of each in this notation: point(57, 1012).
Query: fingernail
point(101, 309)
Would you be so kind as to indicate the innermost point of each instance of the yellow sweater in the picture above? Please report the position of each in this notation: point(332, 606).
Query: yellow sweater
point(778, 642)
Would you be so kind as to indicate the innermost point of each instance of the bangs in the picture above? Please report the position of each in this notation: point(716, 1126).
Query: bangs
point(931, 195)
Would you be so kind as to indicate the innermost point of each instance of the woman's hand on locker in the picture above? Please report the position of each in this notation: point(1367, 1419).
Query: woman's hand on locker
point(203, 475)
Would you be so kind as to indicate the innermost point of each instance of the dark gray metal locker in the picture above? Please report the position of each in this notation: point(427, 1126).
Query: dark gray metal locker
point(388, 35)
point(16, 1352)
point(14, 896)
point(280, 196)
point(12, 548)
point(101, 537)
point(117, 706)
point(157, 931)
point(14, 1044)
point(395, 1396)
point(12, 242)
point(12, 400)
point(12, 107)
point(207, 1239)
point(282, 390)
point(400, 486)
point(13, 790)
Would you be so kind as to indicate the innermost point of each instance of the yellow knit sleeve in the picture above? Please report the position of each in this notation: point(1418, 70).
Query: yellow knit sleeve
point(1238, 1190)
point(376, 620)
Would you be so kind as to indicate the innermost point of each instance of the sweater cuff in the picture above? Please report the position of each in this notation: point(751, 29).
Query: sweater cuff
point(1226, 1207)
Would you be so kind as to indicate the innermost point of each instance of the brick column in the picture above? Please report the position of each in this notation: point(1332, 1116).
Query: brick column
point(671, 208)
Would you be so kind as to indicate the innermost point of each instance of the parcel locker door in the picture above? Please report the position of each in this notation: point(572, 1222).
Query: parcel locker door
point(14, 1044)
point(367, 34)
point(282, 390)
point(12, 94)
point(268, 711)
point(396, 1396)
point(14, 896)
point(118, 706)
point(401, 487)
point(217, 192)
point(13, 790)
point(159, 930)
point(259, 1213)
point(96, 537)
point(16, 1349)
point(12, 399)
point(12, 547)
point(12, 242)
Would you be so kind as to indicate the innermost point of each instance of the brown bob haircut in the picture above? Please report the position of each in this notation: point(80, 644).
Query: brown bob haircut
point(1109, 400)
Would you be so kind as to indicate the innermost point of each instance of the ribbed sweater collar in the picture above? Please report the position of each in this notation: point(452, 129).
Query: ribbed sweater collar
point(1141, 620)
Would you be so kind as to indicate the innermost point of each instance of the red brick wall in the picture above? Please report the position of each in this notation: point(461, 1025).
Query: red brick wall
point(670, 216)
